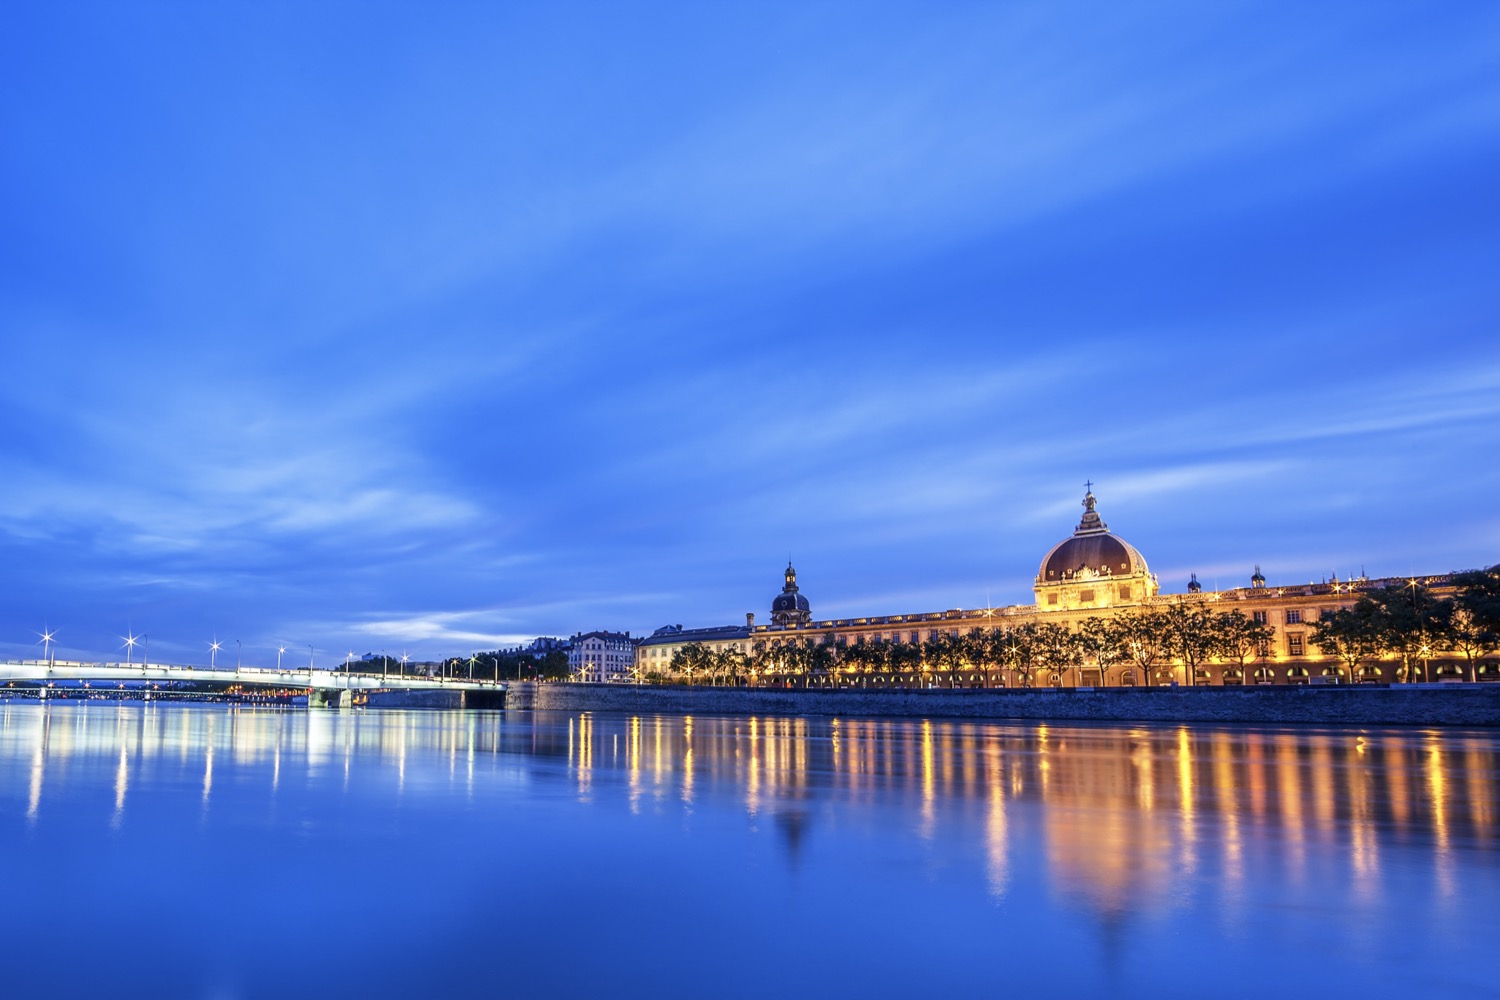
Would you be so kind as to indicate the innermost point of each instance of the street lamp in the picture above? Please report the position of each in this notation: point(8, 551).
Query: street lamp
point(213, 653)
point(129, 645)
point(47, 636)
point(279, 651)
point(405, 659)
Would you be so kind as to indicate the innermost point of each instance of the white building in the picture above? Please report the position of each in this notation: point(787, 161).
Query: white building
point(602, 657)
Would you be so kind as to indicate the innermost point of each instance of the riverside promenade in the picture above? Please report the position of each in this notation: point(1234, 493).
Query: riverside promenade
point(1427, 705)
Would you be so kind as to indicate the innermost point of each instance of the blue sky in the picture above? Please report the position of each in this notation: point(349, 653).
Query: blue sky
point(434, 327)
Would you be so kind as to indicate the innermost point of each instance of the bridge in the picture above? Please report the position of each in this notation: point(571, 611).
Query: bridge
point(323, 687)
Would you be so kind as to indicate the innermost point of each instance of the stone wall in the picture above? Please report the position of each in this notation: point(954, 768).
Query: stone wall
point(1405, 705)
point(416, 699)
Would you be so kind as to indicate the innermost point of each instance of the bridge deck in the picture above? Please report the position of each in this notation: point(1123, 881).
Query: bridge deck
point(321, 680)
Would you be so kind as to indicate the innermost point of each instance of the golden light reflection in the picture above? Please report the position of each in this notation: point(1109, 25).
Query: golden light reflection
point(1437, 789)
point(996, 847)
point(1188, 859)
point(929, 781)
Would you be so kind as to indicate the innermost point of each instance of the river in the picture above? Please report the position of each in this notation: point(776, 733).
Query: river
point(208, 851)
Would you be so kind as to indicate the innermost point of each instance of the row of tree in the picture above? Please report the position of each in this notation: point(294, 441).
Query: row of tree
point(1148, 646)
point(1412, 625)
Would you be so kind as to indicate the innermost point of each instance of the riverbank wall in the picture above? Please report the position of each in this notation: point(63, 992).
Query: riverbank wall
point(1457, 705)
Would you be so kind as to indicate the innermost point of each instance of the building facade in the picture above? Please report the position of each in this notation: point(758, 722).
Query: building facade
point(602, 657)
point(1092, 573)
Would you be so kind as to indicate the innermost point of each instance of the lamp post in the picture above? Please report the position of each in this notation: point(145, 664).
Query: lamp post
point(279, 651)
point(237, 649)
point(1417, 614)
point(129, 645)
point(405, 659)
point(47, 636)
point(213, 653)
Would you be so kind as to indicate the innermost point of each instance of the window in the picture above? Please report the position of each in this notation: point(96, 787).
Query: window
point(1051, 598)
point(1294, 618)
point(1258, 617)
point(1262, 648)
point(1124, 593)
point(1085, 595)
point(1294, 644)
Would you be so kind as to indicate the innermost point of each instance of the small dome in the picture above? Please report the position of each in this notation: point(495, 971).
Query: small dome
point(790, 602)
point(789, 606)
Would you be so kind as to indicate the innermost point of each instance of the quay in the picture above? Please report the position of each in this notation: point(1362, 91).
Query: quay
point(1427, 705)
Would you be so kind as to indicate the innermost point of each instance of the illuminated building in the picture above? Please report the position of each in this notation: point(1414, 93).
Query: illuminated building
point(1091, 573)
point(601, 656)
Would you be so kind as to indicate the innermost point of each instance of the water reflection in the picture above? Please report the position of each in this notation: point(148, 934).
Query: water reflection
point(1114, 822)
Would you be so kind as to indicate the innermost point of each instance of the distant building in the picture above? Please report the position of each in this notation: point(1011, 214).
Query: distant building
point(601, 657)
point(541, 646)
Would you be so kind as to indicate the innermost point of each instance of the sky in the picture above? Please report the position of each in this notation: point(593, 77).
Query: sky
point(434, 327)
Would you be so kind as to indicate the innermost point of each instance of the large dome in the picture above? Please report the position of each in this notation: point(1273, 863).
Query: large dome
point(1092, 551)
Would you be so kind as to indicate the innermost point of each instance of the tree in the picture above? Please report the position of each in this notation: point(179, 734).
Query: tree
point(1191, 636)
point(1145, 635)
point(1465, 634)
point(945, 652)
point(796, 658)
point(693, 659)
point(1408, 620)
point(823, 658)
point(1241, 638)
point(1057, 650)
point(986, 650)
point(1351, 634)
point(1103, 641)
point(733, 664)
point(1474, 616)
point(906, 658)
point(864, 658)
point(1021, 646)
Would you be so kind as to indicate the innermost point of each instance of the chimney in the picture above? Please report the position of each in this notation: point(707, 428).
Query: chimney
point(750, 619)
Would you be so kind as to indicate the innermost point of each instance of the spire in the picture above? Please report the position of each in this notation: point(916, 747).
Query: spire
point(1194, 587)
point(1090, 524)
point(791, 579)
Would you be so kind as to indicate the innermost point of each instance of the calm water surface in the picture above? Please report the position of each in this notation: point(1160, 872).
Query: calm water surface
point(180, 851)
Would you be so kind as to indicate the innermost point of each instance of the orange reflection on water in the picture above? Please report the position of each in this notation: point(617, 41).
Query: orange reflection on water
point(1122, 814)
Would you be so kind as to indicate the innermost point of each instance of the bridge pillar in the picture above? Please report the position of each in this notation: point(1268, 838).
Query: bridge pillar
point(330, 698)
